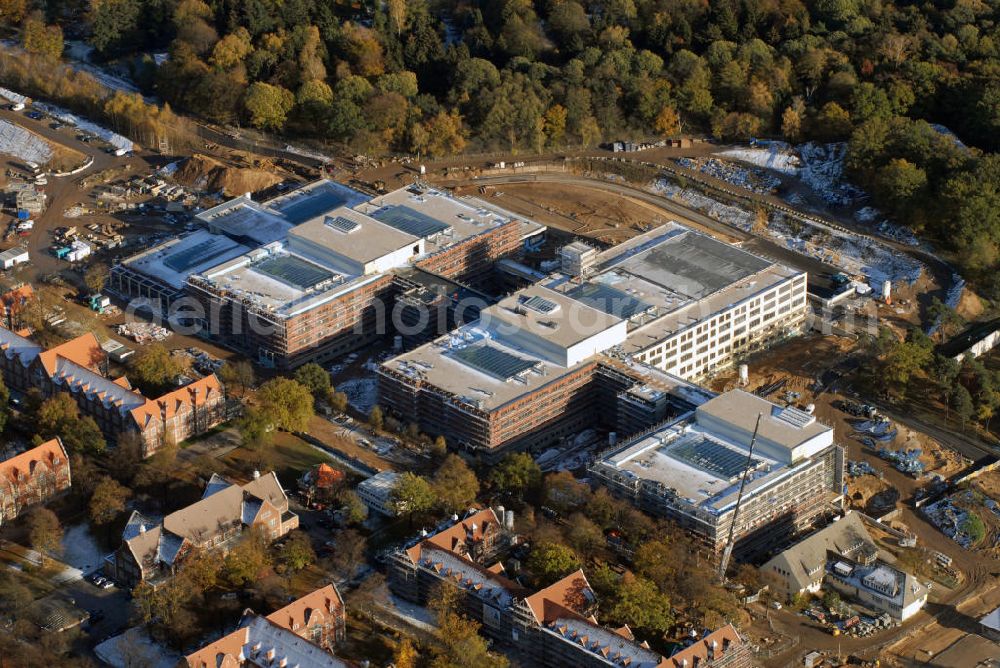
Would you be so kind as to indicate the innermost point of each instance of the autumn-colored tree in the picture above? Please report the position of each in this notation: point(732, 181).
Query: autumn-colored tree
point(268, 105)
point(455, 484)
point(232, 49)
point(555, 124)
point(96, 276)
point(154, 369)
point(12, 11)
point(108, 501)
point(44, 531)
point(667, 122)
point(60, 416)
point(38, 38)
point(287, 404)
point(238, 373)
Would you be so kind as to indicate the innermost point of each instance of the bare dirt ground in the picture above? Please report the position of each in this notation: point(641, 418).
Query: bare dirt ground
point(207, 173)
point(801, 362)
point(587, 212)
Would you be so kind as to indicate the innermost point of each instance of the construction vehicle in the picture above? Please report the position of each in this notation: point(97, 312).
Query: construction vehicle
point(727, 553)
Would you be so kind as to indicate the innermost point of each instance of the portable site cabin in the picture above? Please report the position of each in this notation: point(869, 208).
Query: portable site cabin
point(13, 257)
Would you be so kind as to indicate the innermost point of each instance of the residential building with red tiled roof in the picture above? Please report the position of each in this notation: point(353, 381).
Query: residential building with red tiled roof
point(33, 477)
point(79, 367)
point(318, 616)
point(302, 633)
point(152, 551)
point(555, 627)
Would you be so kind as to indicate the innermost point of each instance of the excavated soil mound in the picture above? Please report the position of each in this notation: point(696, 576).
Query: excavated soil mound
point(205, 173)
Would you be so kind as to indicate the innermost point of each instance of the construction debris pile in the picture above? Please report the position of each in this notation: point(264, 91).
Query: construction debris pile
point(143, 332)
point(856, 469)
point(755, 179)
point(950, 519)
point(907, 461)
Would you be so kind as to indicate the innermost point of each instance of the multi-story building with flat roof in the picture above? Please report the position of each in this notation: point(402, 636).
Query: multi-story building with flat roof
point(690, 471)
point(312, 274)
point(531, 369)
point(693, 304)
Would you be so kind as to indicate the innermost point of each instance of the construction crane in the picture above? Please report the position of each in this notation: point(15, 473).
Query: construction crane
point(728, 552)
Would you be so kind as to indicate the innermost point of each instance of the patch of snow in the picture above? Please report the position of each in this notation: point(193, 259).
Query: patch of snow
point(941, 129)
point(777, 156)
point(80, 550)
point(134, 647)
point(23, 144)
point(113, 138)
point(362, 393)
point(420, 617)
point(823, 171)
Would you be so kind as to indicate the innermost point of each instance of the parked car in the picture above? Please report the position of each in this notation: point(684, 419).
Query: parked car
point(34, 115)
point(107, 584)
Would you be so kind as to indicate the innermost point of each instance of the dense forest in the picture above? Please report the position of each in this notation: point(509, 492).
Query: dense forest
point(441, 76)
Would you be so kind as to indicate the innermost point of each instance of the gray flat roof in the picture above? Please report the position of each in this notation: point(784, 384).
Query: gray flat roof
point(314, 199)
point(172, 261)
point(243, 218)
point(367, 240)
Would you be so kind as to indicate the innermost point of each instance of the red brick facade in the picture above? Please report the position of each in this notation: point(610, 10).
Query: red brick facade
point(33, 477)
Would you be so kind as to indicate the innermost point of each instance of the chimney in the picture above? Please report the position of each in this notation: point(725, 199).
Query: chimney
point(256, 474)
point(142, 528)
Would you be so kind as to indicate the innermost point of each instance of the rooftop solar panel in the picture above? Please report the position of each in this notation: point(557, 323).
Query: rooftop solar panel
point(610, 300)
point(540, 304)
point(411, 221)
point(308, 205)
point(342, 224)
point(713, 457)
point(195, 255)
point(493, 362)
point(294, 271)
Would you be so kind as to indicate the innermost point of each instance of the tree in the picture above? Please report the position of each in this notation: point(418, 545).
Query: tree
point(555, 124)
point(96, 276)
point(286, 404)
point(239, 373)
point(375, 418)
point(667, 122)
point(355, 510)
point(268, 105)
point(564, 493)
point(833, 122)
point(791, 124)
point(44, 531)
point(516, 474)
point(458, 640)
point(412, 494)
point(961, 403)
point(60, 416)
point(349, 552)
point(550, 561)
point(439, 447)
point(38, 38)
point(339, 402)
point(899, 182)
point(297, 551)
point(255, 428)
point(585, 536)
point(455, 484)
point(108, 501)
point(639, 603)
point(154, 369)
point(12, 11)
point(315, 378)
point(405, 655)
point(243, 563)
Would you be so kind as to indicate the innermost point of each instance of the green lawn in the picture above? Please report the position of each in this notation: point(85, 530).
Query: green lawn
point(288, 455)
